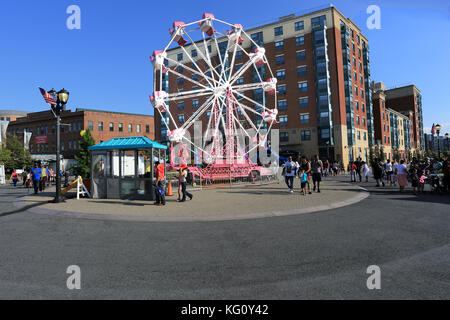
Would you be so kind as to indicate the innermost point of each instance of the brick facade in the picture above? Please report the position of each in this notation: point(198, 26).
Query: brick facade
point(43, 124)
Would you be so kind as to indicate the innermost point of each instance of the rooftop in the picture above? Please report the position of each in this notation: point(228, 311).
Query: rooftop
point(13, 113)
point(127, 143)
point(113, 112)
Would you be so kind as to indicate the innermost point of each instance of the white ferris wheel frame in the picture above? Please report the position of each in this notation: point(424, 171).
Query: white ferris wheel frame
point(219, 83)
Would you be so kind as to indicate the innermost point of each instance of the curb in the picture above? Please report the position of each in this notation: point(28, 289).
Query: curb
point(364, 194)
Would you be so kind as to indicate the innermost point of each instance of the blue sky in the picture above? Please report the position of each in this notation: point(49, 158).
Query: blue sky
point(105, 65)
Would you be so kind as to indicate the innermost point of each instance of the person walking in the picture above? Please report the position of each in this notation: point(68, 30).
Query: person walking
point(317, 170)
point(14, 178)
point(36, 177)
point(183, 172)
point(389, 171)
point(43, 179)
point(358, 164)
point(305, 165)
point(160, 184)
point(402, 174)
point(378, 172)
point(366, 171)
point(353, 168)
point(303, 180)
point(289, 172)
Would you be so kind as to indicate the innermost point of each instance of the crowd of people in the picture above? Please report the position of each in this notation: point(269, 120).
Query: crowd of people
point(416, 173)
point(309, 173)
point(39, 178)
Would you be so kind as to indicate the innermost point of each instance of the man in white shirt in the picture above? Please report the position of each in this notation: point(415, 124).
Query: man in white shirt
point(289, 172)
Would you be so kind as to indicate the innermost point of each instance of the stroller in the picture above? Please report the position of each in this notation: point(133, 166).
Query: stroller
point(437, 183)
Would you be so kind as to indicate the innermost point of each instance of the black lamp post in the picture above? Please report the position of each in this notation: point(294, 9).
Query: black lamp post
point(438, 131)
point(446, 142)
point(61, 100)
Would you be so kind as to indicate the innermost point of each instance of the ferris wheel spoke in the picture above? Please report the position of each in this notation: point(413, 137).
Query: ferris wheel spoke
point(198, 113)
point(247, 87)
point(189, 94)
point(197, 72)
point(241, 71)
point(187, 78)
point(208, 61)
point(253, 101)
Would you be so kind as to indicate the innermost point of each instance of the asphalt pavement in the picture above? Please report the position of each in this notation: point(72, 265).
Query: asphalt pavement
point(322, 255)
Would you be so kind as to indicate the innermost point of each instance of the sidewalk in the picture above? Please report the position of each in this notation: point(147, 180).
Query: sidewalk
point(208, 205)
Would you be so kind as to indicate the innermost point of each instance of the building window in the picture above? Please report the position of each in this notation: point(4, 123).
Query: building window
point(283, 121)
point(62, 146)
point(359, 135)
point(181, 106)
point(194, 103)
point(284, 136)
point(279, 59)
point(306, 135)
point(195, 77)
point(282, 105)
point(100, 126)
point(181, 118)
point(303, 86)
point(300, 25)
point(363, 107)
point(301, 55)
point(194, 53)
point(239, 54)
point(180, 69)
point(364, 122)
point(304, 118)
point(325, 134)
point(90, 124)
point(357, 120)
point(281, 74)
point(180, 57)
point(279, 45)
point(356, 91)
point(300, 41)
point(180, 81)
point(278, 31)
point(138, 128)
point(111, 127)
point(147, 129)
point(130, 128)
point(304, 102)
point(301, 71)
point(240, 81)
point(120, 127)
point(282, 90)
point(357, 105)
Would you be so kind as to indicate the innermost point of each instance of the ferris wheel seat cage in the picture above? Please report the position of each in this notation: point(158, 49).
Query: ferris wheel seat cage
point(176, 135)
point(177, 32)
point(270, 116)
point(206, 26)
point(235, 34)
point(157, 59)
point(158, 100)
point(258, 56)
point(270, 86)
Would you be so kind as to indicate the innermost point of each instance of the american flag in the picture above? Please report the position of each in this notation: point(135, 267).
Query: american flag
point(48, 97)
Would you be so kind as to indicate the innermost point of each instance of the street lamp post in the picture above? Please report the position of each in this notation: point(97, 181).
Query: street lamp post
point(61, 100)
point(438, 131)
point(446, 142)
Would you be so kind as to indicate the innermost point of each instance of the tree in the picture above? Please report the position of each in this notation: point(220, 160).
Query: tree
point(83, 166)
point(382, 154)
point(18, 158)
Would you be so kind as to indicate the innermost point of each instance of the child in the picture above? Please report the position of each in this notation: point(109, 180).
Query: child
point(303, 180)
point(422, 180)
point(414, 180)
point(353, 169)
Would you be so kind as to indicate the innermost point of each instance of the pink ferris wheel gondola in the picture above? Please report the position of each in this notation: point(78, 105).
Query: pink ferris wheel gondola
point(235, 34)
point(207, 26)
point(157, 60)
point(270, 86)
point(258, 56)
point(158, 100)
point(177, 32)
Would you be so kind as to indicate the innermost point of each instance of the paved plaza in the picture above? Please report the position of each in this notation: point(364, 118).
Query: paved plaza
point(237, 203)
point(320, 255)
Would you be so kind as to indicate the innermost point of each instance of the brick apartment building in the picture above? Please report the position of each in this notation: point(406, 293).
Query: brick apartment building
point(321, 60)
point(408, 99)
point(104, 125)
point(11, 115)
point(397, 126)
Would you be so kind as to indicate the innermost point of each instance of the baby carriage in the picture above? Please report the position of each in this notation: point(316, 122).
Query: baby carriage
point(437, 183)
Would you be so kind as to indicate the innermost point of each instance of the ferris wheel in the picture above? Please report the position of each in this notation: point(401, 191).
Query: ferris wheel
point(217, 65)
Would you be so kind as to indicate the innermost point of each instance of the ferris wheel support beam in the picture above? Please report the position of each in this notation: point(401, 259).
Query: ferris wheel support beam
point(208, 61)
